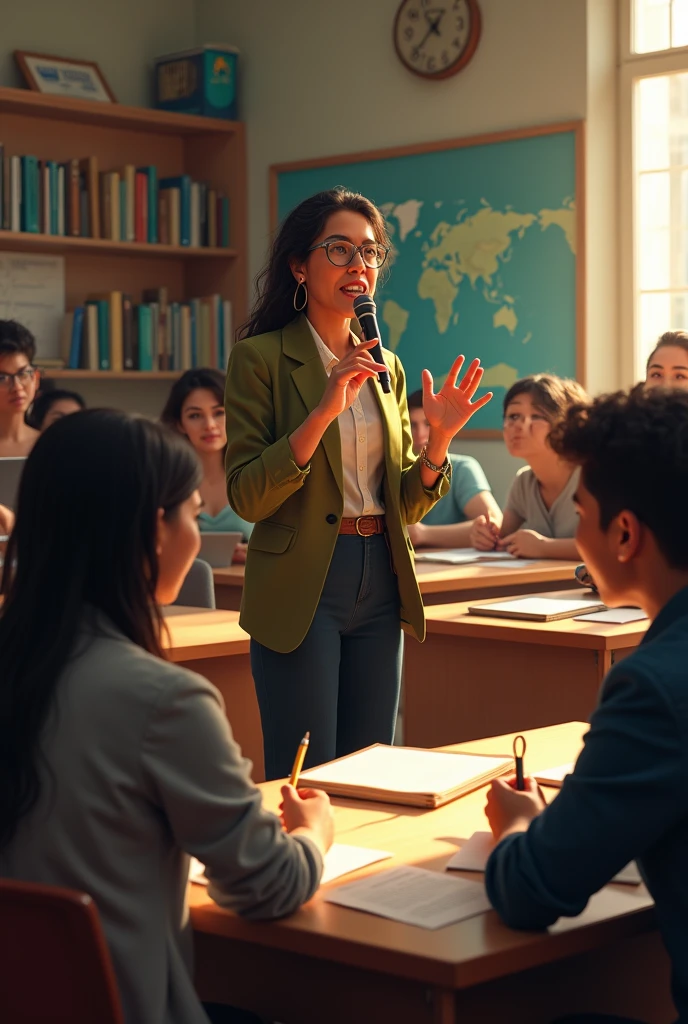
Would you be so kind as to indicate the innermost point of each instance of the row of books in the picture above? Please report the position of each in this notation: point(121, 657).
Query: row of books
point(127, 205)
point(109, 332)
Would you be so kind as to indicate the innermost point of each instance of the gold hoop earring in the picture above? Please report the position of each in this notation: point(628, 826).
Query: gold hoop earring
point(303, 305)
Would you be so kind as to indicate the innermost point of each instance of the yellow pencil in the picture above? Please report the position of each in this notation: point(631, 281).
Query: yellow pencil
point(299, 759)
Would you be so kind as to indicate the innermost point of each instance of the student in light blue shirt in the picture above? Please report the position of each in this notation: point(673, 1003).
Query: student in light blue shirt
point(627, 798)
point(449, 523)
point(195, 408)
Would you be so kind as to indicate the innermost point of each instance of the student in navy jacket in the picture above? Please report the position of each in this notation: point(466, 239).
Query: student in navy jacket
point(628, 795)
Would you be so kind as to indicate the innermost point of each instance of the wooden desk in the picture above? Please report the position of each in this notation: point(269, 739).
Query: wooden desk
point(328, 963)
point(440, 584)
point(213, 644)
point(477, 676)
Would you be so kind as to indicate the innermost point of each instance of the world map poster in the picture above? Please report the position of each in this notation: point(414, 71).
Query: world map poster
point(485, 236)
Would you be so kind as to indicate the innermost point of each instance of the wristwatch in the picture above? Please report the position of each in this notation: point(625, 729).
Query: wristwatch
point(443, 469)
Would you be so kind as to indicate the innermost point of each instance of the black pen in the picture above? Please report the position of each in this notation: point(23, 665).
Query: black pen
point(519, 744)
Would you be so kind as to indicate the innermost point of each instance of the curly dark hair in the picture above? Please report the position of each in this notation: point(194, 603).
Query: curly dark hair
point(633, 451)
point(14, 337)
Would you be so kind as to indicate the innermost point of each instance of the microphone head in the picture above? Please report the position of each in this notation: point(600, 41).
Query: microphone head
point(363, 304)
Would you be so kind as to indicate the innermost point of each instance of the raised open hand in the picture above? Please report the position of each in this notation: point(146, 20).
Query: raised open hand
point(451, 408)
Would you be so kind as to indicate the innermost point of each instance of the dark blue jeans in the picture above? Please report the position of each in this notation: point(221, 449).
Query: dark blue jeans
point(342, 682)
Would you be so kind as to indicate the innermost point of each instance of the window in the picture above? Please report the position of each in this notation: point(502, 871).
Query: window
point(653, 175)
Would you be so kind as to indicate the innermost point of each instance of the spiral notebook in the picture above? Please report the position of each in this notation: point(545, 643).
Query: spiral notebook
point(406, 775)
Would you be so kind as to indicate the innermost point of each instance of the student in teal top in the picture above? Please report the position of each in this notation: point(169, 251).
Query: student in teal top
point(449, 523)
point(195, 408)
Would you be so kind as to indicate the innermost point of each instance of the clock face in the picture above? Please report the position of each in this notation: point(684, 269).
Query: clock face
point(436, 38)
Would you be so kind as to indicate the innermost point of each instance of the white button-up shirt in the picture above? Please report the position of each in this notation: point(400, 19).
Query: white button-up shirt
point(363, 445)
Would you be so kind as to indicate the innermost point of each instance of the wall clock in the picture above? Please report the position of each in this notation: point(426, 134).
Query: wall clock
point(436, 38)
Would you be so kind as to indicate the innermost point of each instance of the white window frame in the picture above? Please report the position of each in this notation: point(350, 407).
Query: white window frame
point(633, 66)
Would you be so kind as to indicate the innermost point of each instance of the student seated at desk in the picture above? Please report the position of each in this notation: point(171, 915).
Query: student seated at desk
point(196, 409)
point(116, 764)
point(19, 381)
point(51, 404)
point(540, 516)
point(628, 795)
point(449, 523)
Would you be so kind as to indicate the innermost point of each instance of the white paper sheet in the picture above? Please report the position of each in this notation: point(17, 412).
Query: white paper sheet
point(340, 860)
point(414, 896)
point(616, 616)
point(32, 291)
point(464, 556)
point(474, 853)
point(554, 776)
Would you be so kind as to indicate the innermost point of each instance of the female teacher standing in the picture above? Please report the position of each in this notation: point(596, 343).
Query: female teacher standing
point(321, 459)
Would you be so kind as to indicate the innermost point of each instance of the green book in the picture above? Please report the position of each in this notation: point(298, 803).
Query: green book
point(103, 309)
point(145, 333)
point(29, 194)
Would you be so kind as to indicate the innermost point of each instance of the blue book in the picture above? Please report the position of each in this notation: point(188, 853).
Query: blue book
point(194, 306)
point(77, 335)
point(145, 333)
point(29, 194)
point(183, 183)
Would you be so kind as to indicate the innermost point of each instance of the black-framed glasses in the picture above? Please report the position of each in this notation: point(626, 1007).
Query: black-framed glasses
point(341, 253)
point(22, 377)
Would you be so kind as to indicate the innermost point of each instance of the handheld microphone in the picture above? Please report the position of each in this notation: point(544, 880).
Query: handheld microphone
point(366, 310)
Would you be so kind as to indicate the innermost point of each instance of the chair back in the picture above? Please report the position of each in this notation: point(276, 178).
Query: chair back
point(55, 964)
point(198, 589)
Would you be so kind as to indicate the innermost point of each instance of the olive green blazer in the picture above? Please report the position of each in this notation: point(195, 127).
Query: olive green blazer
point(273, 381)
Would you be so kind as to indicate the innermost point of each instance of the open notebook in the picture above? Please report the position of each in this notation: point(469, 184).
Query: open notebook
point(406, 775)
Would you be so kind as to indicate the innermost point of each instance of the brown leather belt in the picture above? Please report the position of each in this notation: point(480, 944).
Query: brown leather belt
point(364, 526)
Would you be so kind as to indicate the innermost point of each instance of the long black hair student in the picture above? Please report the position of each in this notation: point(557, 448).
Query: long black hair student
point(70, 553)
point(115, 764)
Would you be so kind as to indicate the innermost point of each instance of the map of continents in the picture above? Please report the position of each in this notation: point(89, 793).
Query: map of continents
point(484, 256)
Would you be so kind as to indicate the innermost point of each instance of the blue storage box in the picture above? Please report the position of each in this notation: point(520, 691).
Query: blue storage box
point(199, 81)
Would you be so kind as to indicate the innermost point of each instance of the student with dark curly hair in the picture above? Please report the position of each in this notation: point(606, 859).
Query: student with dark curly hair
point(19, 380)
point(626, 798)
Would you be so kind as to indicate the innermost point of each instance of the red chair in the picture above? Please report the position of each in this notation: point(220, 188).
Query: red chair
point(54, 962)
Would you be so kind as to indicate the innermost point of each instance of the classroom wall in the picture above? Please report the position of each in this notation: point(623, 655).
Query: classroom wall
point(320, 79)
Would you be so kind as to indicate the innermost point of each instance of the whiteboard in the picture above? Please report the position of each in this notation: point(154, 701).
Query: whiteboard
point(32, 291)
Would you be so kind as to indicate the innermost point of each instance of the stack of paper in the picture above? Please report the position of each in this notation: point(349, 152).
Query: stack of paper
point(406, 775)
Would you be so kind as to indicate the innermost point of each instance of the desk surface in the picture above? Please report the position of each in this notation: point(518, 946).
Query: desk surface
point(203, 633)
point(460, 955)
point(433, 577)
point(455, 620)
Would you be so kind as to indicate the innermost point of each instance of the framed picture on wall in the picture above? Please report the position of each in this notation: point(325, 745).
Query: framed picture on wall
point(488, 245)
point(62, 76)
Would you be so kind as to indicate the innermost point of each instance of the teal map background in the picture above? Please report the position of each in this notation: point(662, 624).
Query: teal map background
point(485, 255)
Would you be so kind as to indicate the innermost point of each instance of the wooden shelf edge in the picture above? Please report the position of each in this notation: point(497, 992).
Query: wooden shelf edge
point(106, 375)
point(104, 246)
point(112, 115)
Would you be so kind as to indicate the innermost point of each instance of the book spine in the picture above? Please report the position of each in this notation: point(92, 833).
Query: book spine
point(152, 178)
point(54, 198)
point(128, 230)
point(114, 204)
point(185, 331)
point(141, 208)
point(6, 194)
point(91, 167)
point(122, 209)
point(203, 213)
point(74, 210)
point(45, 197)
point(194, 307)
point(84, 208)
point(185, 210)
point(15, 188)
point(212, 217)
point(103, 334)
point(29, 194)
point(145, 331)
point(106, 206)
point(163, 218)
point(116, 332)
point(195, 232)
point(61, 217)
point(77, 333)
point(224, 222)
point(91, 337)
point(128, 359)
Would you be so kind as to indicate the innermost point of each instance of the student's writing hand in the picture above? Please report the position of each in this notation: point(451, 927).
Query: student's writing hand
point(308, 809)
point(510, 810)
point(451, 408)
point(347, 378)
point(524, 544)
point(484, 534)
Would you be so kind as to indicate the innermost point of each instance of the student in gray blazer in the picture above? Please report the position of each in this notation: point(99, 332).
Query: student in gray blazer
point(116, 765)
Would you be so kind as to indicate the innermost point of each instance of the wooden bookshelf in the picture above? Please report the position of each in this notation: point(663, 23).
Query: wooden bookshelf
point(53, 128)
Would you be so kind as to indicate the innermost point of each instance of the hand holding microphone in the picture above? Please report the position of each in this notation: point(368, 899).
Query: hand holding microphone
point(366, 311)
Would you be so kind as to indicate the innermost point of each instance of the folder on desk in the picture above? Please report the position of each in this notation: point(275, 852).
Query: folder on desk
point(406, 775)
point(537, 609)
